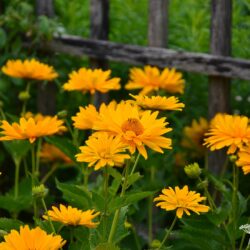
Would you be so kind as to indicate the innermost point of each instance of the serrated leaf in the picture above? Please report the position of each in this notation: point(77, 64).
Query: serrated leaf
point(17, 148)
point(7, 224)
point(127, 199)
point(114, 173)
point(204, 235)
point(98, 201)
point(107, 246)
point(76, 195)
point(13, 205)
point(65, 145)
point(133, 178)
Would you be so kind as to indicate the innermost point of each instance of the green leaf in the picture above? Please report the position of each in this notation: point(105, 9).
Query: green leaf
point(7, 224)
point(114, 173)
point(3, 38)
point(126, 200)
point(65, 145)
point(133, 178)
point(17, 148)
point(220, 214)
point(98, 201)
point(13, 205)
point(76, 195)
point(107, 246)
point(202, 234)
point(113, 189)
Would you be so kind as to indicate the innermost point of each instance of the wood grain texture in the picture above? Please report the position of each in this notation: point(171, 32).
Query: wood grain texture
point(157, 23)
point(201, 63)
point(46, 94)
point(219, 87)
point(99, 29)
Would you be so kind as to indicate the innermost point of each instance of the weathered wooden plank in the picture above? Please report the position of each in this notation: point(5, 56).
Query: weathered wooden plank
point(99, 29)
point(46, 94)
point(219, 87)
point(138, 55)
point(157, 23)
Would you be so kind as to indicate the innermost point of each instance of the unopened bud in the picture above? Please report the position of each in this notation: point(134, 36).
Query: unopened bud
point(62, 114)
point(3, 233)
point(24, 96)
point(155, 244)
point(39, 191)
point(193, 171)
point(127, 224)
point(202, 184)
point(232, 158)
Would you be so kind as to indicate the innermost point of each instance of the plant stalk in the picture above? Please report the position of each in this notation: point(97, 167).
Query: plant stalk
point(168, 233)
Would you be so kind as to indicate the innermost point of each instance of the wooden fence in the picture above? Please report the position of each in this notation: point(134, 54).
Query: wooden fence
point(218, 65)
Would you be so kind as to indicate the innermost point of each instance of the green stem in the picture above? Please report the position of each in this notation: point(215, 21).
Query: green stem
point(243, 238)
point(135, 164)
point(117, 212)
point(33, 165)
point(39, 145)
point(105, 193)
point(150, 208)
point(46, 211)
point(2, 114)
point(168, 233)
point(25, 102)
point(17, 171)
point(209, 197)
point(50, 172)
point(137, 243)
point(150, 219)
point(234, 202)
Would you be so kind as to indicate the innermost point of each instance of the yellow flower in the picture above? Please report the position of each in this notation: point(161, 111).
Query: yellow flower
point(72, 216)
point(51, 153)
point(194, 137)
point(30, 129)
point(244, 159)
point(136, 128)
point(86, 118)
point(151, 79)
point(30, 69)
point(88, 80)
point(103, 150)
point(158, 102)
point(40, 117)
point(182, 200)
point(28, 239)
point(228, 131)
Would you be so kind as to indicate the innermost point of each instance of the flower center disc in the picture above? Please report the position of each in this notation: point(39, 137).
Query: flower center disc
point(134, 125)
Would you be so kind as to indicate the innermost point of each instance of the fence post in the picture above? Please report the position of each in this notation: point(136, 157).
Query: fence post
point(46, 95)
point(157, 25)
point(157, 37)
point(99, 29)
point(219, 87)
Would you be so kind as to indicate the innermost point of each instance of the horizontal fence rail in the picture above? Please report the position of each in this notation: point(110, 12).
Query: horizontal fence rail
point(202, 63)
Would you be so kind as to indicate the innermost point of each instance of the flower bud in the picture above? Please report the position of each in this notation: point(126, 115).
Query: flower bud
point(2, 233)
point(155, 244)
point(24, 96)
point(127, 224)
point(39, 191)
point(62, 114)
point(232, 158)
point(202, 184)
point(193, 171)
